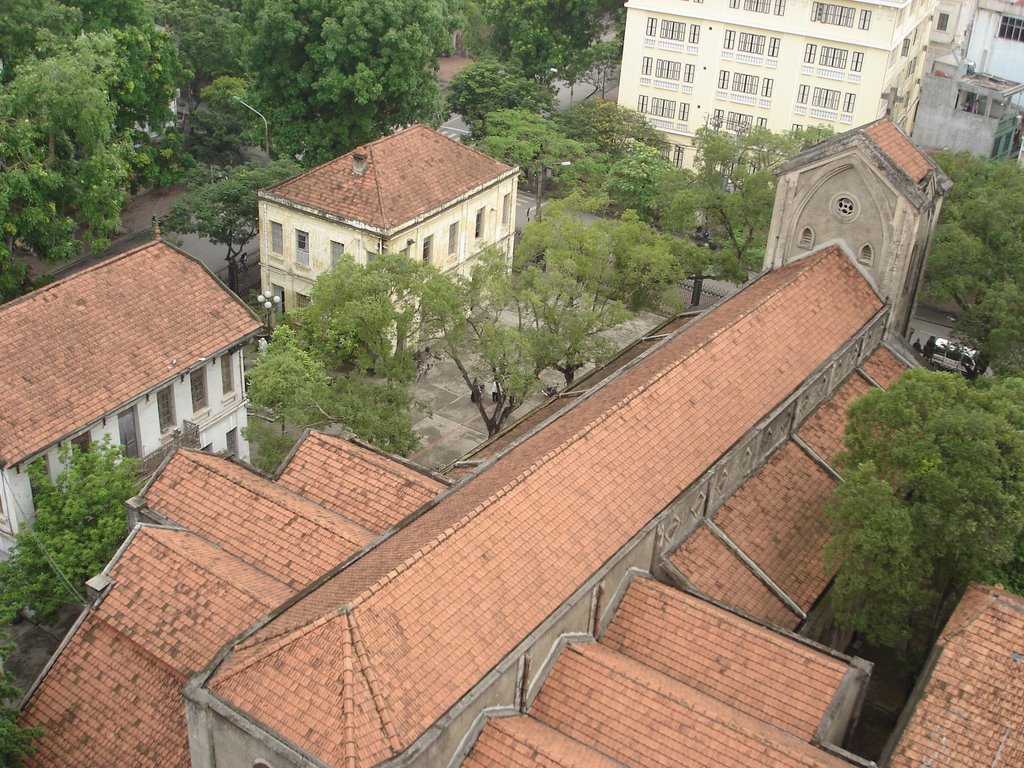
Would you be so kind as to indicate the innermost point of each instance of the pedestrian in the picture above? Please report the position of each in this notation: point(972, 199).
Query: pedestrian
point(262, 344)
point(474, 391)
point(495, 391)
point(917, 345)
point(528, 214)
point(929, 347)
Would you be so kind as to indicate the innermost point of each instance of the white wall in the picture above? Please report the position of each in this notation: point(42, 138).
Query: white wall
point(990, 53)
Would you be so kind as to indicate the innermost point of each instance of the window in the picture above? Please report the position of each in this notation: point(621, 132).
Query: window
point(165, 408)
point(734, 3)
point(276, 238)
point(1011, 28)
point(688, 73)
point(744, 83)
point(730, 40)
point(641, 104)
point(810, 53)
point(845, 207)
point(695, 32)
point(506, 209)
point(751, 43)
point(723, 79)
point(833, 57)
point(942, 25)
point(849, 102)
point(677, 156)
point(663, 108)
point(802, 93)
point(736, 121)
point(758, 6)
point(227, 374)
point(829, 13)
point(767, 85)
point(780, 7)
point(673, 30)
point(301, 300)
point(905, 49)
point(652, 26)
point(197, 383)
point(669, 70)
point(797, 127)
point(478, 229)
point(453, 238)
point(684, 110)
point(428, 247)
point(807, 238)
point(645, 65)
point(82, 441)
point(866, 255)
point(865, 20)
point(857, 62)
point(773, 47)
point(231, 441)
point(762, 122)
point(825, 97)
point(337, 251)
point(717, 118)
point(302, 247)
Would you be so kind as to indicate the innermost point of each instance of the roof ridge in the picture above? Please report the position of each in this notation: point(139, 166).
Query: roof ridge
point(145, 651)
point(261, 599)
point(809, 263)
point(369, 670)
point(214, 467)
point(376, 184)
point(348, 708)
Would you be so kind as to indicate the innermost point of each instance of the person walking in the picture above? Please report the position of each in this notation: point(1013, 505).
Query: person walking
point(495, 391)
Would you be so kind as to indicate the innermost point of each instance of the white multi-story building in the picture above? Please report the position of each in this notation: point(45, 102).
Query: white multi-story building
point(415, 192)
point(145, 347)
point(996, 44)
point(735, 64)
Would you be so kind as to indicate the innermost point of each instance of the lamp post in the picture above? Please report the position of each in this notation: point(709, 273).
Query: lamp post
point(270, 303)
point(266, 125)
point(540, 182)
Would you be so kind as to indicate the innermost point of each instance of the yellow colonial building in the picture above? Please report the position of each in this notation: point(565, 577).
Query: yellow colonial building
point(735, 64)
point(416, 192)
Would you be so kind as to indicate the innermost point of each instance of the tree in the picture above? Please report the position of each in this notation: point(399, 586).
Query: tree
point(542, 36)
point(226, 212)
point(331, 75)
point(933, 497)
point(609, 127)
point(31, 28)
point(219, 131)
point(634, 180)
point(208, 34)
point(79, 524)
point(599, 66)
point(292, 383)
point(977, 259)
point(488, 86)
point(533, 143)
point(15, 741)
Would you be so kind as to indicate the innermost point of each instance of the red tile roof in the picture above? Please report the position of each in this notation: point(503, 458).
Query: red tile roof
point(900, 149)
point(970, 710)
point(884, 367)
point(500, 552)
point(97, 340)
point(642, 717)
point(522, 742)
point(823, 431)
point(408, 174)
point(778, 509)
point(286, 536)
point(758, 671)
point(112, 696)
point(715, 570)
point(363, 485)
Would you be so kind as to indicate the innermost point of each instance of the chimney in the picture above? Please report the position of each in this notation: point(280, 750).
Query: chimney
point(358, 163)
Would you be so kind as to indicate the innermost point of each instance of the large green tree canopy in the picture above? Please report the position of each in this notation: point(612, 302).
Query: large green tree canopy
point(331, 74)
point(933, 496)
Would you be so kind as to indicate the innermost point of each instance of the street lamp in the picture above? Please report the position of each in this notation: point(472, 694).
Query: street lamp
point(540, 182)
point(266, 125)
point(270, 303)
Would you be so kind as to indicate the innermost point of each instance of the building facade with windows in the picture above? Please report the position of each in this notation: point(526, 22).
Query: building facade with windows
point(145, 347)
point(996, 44)
point(416, 192)
point(780, 64)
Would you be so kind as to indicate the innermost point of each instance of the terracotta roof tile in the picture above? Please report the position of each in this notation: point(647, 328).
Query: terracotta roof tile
point(777, 518)
point(522, 742)
point(365, 486)
point(408, 174)
point(970, 710)
point(130, 700)
point(286, 536)
point(758, 671)
point(717, 572)
point(898, 146)
point(641, 717)
point(497, 554)
point(884, 367)
point(823, 431)
point(138, 320)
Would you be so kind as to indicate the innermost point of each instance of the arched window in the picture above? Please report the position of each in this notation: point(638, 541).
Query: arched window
point(259, 762)
point(807, 238)
point(867, 254)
